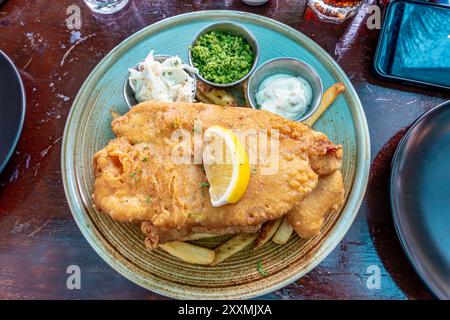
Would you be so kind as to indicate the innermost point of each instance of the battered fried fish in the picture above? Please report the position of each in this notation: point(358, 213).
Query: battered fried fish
point(308, 216)
point(136, 179)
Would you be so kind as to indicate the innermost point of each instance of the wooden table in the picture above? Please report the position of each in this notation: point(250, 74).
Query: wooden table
point(38, 236)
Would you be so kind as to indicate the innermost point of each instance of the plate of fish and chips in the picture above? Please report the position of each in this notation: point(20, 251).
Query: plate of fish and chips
point(175, 228)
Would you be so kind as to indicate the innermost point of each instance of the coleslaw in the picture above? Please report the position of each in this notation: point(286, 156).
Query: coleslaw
point(167, 81)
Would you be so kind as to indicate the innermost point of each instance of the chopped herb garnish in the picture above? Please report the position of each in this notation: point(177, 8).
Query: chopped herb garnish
point(260, 268)
point(253, 168)
point(204, 185)
point(133, 174)
point(145, 159)
point(148, 199)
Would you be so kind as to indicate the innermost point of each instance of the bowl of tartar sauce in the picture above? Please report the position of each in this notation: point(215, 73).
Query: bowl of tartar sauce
point(288, 87)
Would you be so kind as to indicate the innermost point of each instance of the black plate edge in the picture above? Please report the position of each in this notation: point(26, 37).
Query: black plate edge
point(23, 106)
point(436, 293)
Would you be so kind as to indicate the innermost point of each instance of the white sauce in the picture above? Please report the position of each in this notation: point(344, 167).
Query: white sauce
point(285, 95)
point(167, 81)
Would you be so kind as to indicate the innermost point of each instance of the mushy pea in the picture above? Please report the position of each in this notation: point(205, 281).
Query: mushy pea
point(222, 58)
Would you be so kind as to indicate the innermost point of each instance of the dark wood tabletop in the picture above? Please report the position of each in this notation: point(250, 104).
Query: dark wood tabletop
point(39, 239)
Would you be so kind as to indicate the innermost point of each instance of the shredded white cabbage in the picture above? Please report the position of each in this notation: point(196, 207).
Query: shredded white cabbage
point(167, 81)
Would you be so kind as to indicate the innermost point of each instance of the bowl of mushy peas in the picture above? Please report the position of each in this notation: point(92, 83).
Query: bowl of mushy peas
point(225, 54)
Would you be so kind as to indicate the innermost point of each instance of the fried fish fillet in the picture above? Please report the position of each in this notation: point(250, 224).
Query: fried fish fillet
point(160, 235)
point(308, 216)
point(136, 179)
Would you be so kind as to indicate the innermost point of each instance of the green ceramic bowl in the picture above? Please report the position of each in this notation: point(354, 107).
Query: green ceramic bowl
point(121, 244)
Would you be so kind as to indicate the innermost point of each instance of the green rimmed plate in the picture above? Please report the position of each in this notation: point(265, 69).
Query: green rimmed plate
point(121, 245)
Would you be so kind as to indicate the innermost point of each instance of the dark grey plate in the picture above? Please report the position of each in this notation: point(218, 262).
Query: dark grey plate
point(420, 197)
point(12, 108)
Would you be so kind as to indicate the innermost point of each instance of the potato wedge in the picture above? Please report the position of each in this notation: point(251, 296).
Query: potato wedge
point(202, 98)
point(215, 95)
point(232, 246)
point(199, 236)
point(114, 114)
point(188, 252)
point(283, 233)
point(266, 233)
point(328, 98)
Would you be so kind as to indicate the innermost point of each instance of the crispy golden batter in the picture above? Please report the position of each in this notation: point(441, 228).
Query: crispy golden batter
point(160, 235)
point(136, 180)
point(308, 216)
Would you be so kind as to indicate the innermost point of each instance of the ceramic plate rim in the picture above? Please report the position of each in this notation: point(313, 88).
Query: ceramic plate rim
point(342, 224)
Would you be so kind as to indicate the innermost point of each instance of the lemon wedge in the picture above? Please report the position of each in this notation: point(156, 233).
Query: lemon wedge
point(226, 166)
